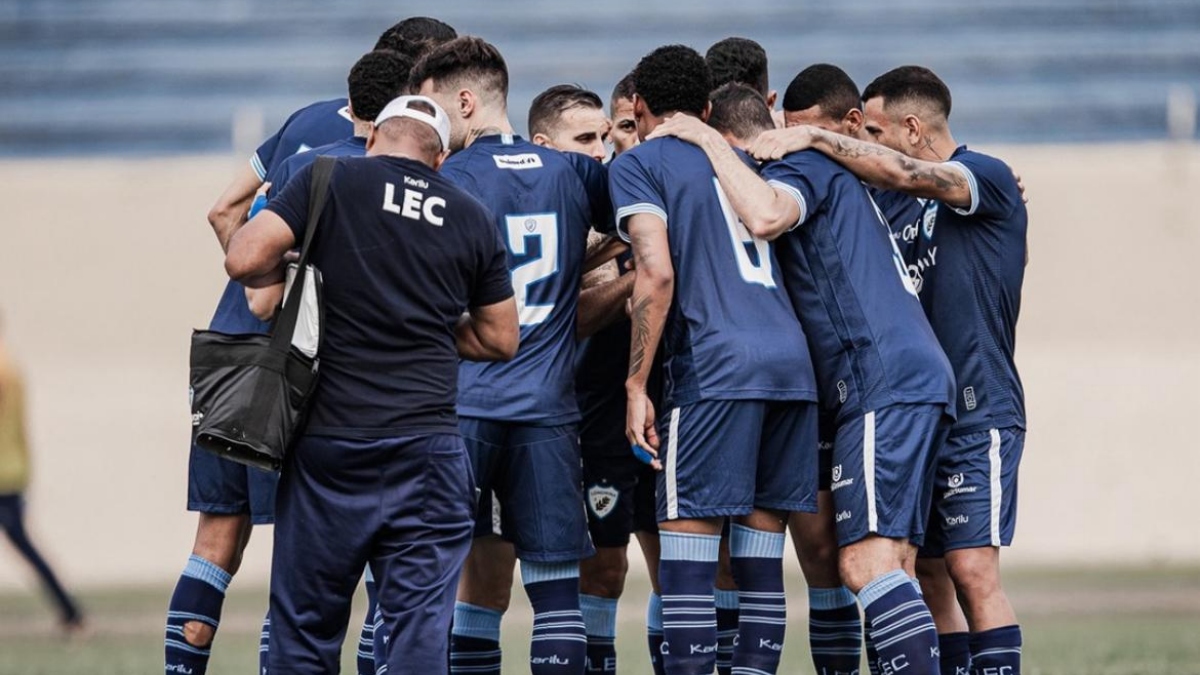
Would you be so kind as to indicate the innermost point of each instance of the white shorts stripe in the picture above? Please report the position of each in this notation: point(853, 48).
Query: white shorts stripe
point(672, 465)
point(869, 471)
point(996, 487)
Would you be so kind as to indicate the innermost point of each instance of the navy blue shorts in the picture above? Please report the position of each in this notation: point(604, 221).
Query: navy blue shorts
point(223, 487)
point(726, 458)
point(403, 506)
point(531, 488)
point(826, 434)
point(975, 491)
point(619, 492)
point(883, 472)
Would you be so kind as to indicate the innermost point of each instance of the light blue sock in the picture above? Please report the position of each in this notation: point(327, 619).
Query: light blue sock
point(559, 642)
point(475, 640)
point(600, 624)
point(687, 567)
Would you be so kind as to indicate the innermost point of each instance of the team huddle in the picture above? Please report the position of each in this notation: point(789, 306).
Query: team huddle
point(739, 324)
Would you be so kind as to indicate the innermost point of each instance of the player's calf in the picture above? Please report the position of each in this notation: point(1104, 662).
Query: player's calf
point(601, 582)
point(941, 597)
point(756, 555)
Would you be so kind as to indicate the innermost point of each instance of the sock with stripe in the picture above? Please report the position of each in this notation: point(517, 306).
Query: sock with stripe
point(955, 650)
point(600, 624)
point(996, 651)
point(198, 597)
point(757, 560)
point(726, 602)
point(475, 640)
point(835, 631)
point(872, 655)
point(559, 642)
point(366, 638)
point(901, 625)
point(686, 570)
point(654, 632)
point(264, 644)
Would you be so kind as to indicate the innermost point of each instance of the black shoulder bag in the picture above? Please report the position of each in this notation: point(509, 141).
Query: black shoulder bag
point(249, 393)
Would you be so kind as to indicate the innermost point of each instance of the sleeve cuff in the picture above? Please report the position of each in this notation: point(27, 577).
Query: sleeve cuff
point(627, 211)
point(257, 165)
point(795, 194)
point(971, 184)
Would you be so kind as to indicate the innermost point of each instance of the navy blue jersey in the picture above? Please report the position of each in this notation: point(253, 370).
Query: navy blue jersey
point(731, 333)
point(902, 212)
point(403, 253)
point(871, 344)
point(317, 124)
point(973, 262)
point(544, 202)
point(355, 146)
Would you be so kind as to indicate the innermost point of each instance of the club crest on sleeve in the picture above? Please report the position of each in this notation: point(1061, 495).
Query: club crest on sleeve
point(602, 500)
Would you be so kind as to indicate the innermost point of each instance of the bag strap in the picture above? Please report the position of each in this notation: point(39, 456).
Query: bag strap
point(285, 325)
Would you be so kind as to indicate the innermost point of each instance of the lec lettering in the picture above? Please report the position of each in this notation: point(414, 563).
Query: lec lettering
point(896, 665)
point(1002, 670)
point(414, 205)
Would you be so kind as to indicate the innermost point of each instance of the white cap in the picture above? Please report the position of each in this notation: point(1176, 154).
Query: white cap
point(399, 107)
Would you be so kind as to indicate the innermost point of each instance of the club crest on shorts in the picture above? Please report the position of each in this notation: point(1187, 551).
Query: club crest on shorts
point(602, 500)
point(956, 480)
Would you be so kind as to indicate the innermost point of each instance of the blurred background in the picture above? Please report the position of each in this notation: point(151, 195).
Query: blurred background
point(122, 120)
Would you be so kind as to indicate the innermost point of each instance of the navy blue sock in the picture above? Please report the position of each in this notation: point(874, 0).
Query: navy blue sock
point(366, 638)
point(901, 626)
point(559, 644)
point(996, 651)
point(835, 630)
point(654, 632)
point(757, 560)
point(264, 644)
point(686, 570)
point(726, 602)
point(198, 596)
point(600, 624)
point(955, 649)
point(475, 641)
point(872, 655)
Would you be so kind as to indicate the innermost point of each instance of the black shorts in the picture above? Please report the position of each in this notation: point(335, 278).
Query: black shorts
point(619, 493)
point(826, 432)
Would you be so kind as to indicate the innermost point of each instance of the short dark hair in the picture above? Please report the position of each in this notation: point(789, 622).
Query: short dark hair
point(673, 78)
point(548, 107)
point(375, 80)
point(416, 35)
point(910, 84)
point(737, 59)
point(825, 86)
point(739, 111)
point(461, 60)
point(624, 89)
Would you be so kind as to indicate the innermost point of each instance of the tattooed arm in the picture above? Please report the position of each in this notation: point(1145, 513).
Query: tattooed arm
point(653, 290)
point(873, 163)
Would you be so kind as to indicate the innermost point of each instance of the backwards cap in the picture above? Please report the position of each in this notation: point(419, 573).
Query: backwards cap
point(399, 107)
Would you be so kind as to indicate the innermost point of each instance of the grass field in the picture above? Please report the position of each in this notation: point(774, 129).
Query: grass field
point(1076, 622)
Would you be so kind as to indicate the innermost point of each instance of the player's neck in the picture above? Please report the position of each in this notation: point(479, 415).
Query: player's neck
point(488, 125)
point(936, 147)
point(361, 129)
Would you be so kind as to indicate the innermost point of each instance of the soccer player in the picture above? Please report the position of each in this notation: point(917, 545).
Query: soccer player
point(972, 250)
point(879, 367)
point(620, 109)
point(569, 118)
point(742, 60)
point(740, 438)
point(230, 497)
point(380, 474)
point(519, 419)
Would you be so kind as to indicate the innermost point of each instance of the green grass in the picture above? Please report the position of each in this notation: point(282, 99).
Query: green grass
point(1076, 622)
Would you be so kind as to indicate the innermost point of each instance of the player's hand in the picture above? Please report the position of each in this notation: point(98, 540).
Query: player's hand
point(776, 143)
point(684, 127)
point(265, 301)
point(640, 426)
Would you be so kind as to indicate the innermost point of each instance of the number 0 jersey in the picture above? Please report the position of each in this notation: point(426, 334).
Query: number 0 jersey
point(871, 343)
point(545, 201)
point(731, 333)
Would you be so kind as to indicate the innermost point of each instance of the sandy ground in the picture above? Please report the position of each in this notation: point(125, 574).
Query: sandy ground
point(106, 265)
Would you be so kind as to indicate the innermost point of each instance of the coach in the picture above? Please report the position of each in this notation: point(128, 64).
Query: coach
point(380, 475)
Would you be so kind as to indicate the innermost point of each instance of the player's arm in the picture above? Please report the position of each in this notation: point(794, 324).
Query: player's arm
point(602, 299)
point(873, 163)
point(256, 250)
point(601, 248)
point(767, 212)
point(653, 291)
point(489, 332)
point(234, 203)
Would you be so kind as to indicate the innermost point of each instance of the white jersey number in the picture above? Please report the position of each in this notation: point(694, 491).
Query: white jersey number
point(740, 237)
point(521, 228)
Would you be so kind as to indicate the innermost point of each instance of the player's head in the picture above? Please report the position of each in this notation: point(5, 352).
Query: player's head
point(904, 107)
point(671, 79)
point(375, 80)
point(741, 60)
point(413, 126)
point(569, 118)
point(739, 113)
point(824, 96)
point(624, 133)
point(468, 77)
point(415, 35)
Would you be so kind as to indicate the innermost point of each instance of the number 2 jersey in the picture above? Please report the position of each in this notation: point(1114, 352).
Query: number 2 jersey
point(871, 343)
point(731, 333)
point(545, 201)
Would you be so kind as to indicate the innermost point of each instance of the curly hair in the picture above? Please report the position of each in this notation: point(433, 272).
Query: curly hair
point(673, 78)
point(375, 80)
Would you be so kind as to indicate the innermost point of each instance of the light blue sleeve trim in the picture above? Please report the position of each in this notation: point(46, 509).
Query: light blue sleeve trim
point(641, 207)
point(970, 176)
point(257, 165)
point(795, 194)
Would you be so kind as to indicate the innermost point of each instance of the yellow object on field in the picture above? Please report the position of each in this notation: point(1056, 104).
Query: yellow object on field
point(14, 451)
